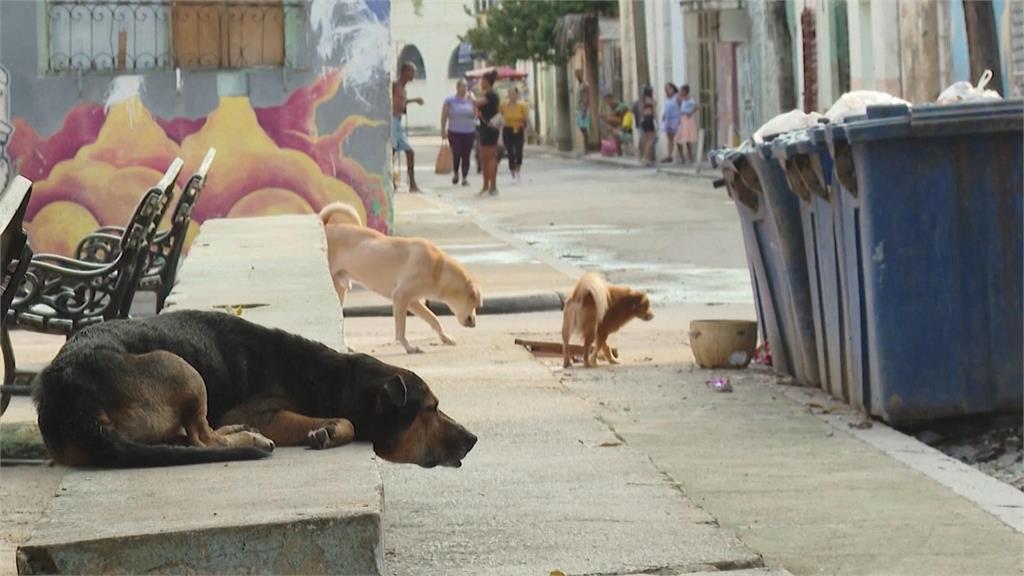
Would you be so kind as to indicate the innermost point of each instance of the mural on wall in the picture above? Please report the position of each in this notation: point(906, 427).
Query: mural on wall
point(270, 161)
point(91, 168)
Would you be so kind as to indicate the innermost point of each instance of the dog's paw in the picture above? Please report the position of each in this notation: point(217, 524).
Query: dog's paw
point(334, 433)
point(448, 340)
point(257, 440)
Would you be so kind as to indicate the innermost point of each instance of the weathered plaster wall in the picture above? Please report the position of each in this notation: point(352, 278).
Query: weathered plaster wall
point(288, 141)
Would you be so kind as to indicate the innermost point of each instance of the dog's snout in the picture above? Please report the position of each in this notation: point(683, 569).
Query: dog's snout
point(470, 441)
point(470, 322)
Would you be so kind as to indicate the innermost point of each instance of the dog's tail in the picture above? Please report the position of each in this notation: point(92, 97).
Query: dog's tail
point(593, 283)
point(340, 209)
point(70, 427)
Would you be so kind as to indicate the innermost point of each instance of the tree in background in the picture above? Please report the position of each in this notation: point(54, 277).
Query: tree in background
point(524, 29)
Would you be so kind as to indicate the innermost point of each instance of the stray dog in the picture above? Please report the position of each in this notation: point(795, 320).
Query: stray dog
point(406, 270)
point(596, 310)
point(139, 393)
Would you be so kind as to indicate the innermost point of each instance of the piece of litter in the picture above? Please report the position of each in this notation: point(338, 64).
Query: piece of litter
point(609, 444)
point(719, 384)
point(861, 425)
point(829, 432)
point(812, 406)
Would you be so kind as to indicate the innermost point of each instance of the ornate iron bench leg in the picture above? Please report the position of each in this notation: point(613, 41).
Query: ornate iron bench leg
point(9, 369)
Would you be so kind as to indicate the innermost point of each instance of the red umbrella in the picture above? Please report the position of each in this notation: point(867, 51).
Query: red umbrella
point(504, 73)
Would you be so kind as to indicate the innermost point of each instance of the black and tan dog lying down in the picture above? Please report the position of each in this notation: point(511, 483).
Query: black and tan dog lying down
point(135, 393)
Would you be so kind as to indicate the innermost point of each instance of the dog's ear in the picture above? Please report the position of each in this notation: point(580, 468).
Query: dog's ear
point(474, 291)
point(394, 394)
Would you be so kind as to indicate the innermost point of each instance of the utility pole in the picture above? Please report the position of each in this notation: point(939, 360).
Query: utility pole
point(982, 42)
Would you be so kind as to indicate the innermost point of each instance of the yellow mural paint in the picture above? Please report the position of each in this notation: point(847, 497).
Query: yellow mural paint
point(59, 226)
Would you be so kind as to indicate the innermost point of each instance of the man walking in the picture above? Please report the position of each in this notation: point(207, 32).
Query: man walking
point(583, 108)
point(399, 139)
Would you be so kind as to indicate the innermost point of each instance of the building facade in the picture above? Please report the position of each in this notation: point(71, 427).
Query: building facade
point(749, 60)
point(428, 35)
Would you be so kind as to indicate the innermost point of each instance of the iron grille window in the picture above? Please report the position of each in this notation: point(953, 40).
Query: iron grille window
point(115, 36)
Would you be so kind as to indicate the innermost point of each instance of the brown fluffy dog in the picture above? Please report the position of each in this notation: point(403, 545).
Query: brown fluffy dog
point(597, 309)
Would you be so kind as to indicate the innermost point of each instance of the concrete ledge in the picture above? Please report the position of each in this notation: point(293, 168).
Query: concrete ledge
point(298, 512)
point(504, 304)
point(270, 517)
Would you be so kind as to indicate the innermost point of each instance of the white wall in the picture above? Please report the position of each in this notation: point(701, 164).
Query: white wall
point(436, 34)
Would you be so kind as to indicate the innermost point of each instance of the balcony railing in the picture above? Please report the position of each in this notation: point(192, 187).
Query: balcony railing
point(131, 36)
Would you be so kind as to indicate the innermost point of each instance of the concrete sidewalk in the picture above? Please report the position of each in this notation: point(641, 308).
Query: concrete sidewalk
point(638, 468)
point(702, 173)
point(808, 496)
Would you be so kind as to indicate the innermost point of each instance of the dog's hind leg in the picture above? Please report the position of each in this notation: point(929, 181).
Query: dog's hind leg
point(167, 395)
point(566, 336)
point(589, 360)
point(420, 309)
point(342, 284)
point(289, 428)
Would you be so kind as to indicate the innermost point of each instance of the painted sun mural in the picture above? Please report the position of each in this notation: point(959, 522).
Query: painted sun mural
point(270, 160)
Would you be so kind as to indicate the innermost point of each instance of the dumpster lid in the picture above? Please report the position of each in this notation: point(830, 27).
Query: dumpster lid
point(787, 145)
point(901, 121)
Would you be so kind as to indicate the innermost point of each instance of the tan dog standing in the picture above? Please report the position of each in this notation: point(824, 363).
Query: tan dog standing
point(596, 310)
point(406, 270)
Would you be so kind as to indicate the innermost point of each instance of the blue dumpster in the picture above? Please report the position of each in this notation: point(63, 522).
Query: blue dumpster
point(773, 239)
point(851, 281)
point(798, 156)
point(933, 232)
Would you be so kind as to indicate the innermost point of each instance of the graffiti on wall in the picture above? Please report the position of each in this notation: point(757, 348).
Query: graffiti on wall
point(270, 160)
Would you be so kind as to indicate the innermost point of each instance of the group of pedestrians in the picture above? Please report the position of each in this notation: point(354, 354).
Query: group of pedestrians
point(469, 120)
point(677, 122)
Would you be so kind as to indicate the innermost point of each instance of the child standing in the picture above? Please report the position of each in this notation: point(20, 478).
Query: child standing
point(687, 135)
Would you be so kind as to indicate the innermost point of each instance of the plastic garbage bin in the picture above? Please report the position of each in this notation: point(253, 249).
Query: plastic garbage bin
point(851, 281)
point(935, 210)
point(798, 155)
point(773, 239)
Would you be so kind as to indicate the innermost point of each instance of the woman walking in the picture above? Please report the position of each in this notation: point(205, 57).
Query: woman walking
point(687, 136)
point(670, 119)
point(490, 128)
point(517, 121)
point(647, 124)
point(458, 125)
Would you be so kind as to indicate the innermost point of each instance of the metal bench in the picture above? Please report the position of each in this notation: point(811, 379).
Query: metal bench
point(161, 265)
point(60, 295)
point(16, 254)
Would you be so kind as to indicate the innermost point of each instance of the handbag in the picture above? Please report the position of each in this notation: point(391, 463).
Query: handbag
point(444, 160)
point(497, 121)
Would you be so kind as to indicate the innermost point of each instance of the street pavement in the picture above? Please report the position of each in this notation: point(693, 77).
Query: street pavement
point(638, 468)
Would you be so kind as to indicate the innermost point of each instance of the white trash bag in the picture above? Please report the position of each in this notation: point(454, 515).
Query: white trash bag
point(963, 91)
point(857, 102)
point(786, 122)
